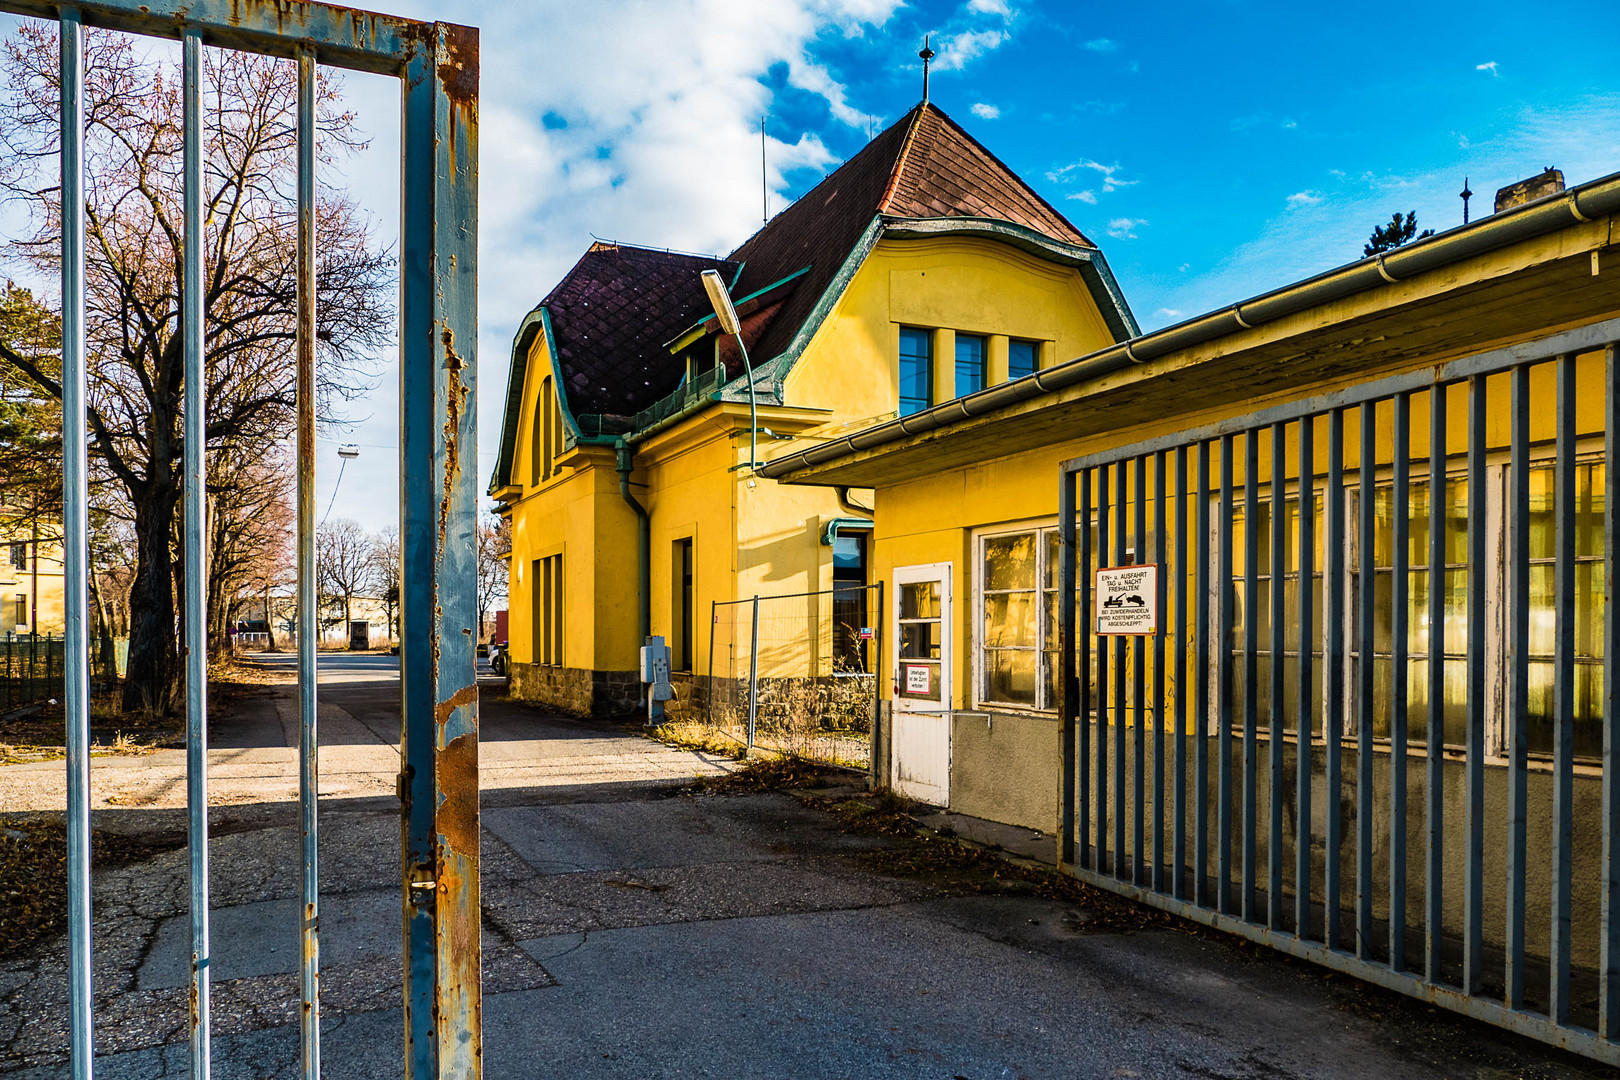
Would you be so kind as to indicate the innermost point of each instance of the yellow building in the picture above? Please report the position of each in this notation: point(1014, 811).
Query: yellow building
point(920, 271)
point(30, 579)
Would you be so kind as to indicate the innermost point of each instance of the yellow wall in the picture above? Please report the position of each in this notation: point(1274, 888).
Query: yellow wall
point(751, 535)
point(41, 582)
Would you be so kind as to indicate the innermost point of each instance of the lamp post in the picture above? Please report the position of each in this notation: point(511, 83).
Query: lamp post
point(720, 298)
point(348, 452)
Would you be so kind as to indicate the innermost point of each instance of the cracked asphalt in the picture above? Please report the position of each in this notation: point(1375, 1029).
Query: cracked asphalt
point(632, 931)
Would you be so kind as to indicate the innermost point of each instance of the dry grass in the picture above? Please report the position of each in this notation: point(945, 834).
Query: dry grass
point(33, 875)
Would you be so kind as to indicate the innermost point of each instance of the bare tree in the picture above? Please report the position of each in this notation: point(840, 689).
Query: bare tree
point(385, 575)
point(345, 564)
point(250, 537)
point(494, 549)
point(134, 231)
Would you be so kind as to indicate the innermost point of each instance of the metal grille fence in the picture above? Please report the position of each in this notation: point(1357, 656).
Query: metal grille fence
point(1377, 725)
point(437, 68)
point(795, 674)
point(32, 667)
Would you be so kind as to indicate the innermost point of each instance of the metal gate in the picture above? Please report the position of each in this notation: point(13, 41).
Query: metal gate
point(1394, 595)
point(437, 65)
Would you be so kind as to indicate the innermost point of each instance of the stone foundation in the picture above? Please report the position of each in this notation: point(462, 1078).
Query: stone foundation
point(576, 691)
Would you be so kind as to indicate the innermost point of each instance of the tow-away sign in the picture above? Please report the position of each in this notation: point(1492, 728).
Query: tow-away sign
point(1127, 600)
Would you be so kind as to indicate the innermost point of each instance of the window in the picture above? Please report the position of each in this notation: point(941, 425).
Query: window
point(21, 616)
point(1009, 633)
point(920, 615)
point(1587, 613)
point(546, 438)
point(19, 555)
point(682, 621)
point(1022, 358)
point(916, 370)
point(969, 364)
point(548, 611)
point(850, 613)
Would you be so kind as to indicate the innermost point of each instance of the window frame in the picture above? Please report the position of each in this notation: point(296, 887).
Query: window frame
point(926, 335)
point(1040, 528)
point(980, 368)
point(1034, 357)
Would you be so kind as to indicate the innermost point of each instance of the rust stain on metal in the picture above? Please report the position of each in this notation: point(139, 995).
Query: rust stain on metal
point(458, 66)
point(465, 696)
point(457, 815)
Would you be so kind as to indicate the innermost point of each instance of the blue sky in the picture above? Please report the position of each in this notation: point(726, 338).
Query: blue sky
point(1213, 150)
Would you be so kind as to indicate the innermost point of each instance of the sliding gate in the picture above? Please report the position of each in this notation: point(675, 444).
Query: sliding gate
point(437, 65)
point(1366, 712)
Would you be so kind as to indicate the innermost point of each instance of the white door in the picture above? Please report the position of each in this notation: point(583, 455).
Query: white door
point(922, 683)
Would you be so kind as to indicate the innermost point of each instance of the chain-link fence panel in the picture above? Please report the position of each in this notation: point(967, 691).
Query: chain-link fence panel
point(792, 674)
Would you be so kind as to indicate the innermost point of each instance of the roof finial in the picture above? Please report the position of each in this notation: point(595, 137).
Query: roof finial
point(927, 54)
point(1465, 195)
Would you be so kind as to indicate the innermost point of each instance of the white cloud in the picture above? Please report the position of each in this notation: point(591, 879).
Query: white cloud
point(1124, 228)
point(1087, 196)
point(646, 144)
point(1065, 174)
point(958, 50)
point(1489, 66)
point(1102, 45)
point(985, 111)
point(990, 7)
point(1167, 313)
point(1303, 198)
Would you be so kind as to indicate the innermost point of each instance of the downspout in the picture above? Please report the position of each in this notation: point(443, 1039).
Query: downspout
point(625, 463)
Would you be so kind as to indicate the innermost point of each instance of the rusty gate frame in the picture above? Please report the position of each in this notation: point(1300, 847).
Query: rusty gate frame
point(437, 65)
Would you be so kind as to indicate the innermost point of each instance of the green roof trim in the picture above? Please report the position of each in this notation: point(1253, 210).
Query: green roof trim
point(536, 323)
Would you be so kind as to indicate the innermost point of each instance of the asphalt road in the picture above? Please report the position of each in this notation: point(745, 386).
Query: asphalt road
point(634, 932)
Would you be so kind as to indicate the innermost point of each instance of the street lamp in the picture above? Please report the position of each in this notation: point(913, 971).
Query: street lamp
point(348, 452)
point(720, 299)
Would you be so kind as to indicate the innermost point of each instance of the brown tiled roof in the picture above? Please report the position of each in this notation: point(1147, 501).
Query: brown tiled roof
point(617, 309)
point(612, 316)
point(922, 166)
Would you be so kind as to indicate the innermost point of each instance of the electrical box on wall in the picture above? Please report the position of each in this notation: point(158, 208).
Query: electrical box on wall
point(655, 677)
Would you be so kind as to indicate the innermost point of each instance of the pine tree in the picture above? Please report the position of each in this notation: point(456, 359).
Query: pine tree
point(1399, 231)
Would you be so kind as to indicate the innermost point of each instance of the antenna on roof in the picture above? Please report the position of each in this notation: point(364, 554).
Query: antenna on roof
point(926, 55)
point(1465, 195)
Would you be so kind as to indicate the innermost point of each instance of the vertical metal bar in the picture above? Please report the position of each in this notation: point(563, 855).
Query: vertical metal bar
point(1138, 687)
point(1366, 592)
point(308, 740)
point(714, 620)
point(1201, 658)
point(1101, 864)
point(1120, 507)
point(1474, 781)
point(1563, 778)
point(75, 543)
point(1185, 654)
point(1609, 901)
point(1159, 498)
point(438, 501)
point(753, 673)
point(1223, 742)
point(1399, 493)
point(1333, 684)
point(1434, 790)
point(1274, 742)
point(1517, 665)
point(1251, 666)
point(1082, 672)
point(195, 489)
point(1065, 672)
point(1306, 564)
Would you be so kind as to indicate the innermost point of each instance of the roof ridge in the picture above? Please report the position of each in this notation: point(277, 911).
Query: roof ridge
point(900, 158)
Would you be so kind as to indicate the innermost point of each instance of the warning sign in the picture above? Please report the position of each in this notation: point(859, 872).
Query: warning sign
point(1127, 600)
point(919, 680)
